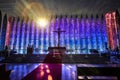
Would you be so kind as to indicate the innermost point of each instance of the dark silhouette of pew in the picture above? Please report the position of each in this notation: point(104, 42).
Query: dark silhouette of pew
point(94, 51)
point(98, 71)
point(4, 74)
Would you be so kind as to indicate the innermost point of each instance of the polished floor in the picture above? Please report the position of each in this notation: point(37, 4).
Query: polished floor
point(51, 71)
point(55, 71)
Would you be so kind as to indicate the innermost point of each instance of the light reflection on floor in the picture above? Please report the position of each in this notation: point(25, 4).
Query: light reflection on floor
point(68, 71)
point(20, 70)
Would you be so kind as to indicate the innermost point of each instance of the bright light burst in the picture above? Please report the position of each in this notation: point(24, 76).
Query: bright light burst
point(42, 22)
point(34, 11)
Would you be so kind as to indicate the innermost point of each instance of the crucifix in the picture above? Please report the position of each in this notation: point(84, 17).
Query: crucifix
point(59, 31)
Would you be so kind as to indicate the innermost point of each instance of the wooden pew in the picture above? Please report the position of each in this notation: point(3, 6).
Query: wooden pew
point(4, 74)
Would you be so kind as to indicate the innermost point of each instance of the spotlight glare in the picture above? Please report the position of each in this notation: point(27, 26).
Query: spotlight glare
point(42, 22)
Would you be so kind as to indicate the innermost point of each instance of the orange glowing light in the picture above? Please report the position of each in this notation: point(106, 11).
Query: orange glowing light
point(50, 77)
point(42, 67)
point(41, 73)
point(46, 66)
point(48, 71)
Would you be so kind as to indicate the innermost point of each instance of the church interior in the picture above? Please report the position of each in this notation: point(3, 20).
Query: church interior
point(59, 40)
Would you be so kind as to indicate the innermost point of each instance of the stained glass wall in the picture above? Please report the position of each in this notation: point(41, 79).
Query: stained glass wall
point(0, 27)
point(82, 33)
point(3, 32)
point(113, 29)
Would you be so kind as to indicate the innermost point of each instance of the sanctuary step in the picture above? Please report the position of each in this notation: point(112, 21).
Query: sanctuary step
point(86, 58)
point(58, 58)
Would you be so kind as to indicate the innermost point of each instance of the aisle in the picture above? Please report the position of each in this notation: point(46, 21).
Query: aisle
point(47, 71)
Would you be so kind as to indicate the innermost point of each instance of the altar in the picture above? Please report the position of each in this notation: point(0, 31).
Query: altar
point(57, 50)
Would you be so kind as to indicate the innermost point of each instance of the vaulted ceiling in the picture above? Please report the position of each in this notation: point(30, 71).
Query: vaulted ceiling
point(15, 7)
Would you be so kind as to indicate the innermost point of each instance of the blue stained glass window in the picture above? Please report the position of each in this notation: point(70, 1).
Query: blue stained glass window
point(81, 34)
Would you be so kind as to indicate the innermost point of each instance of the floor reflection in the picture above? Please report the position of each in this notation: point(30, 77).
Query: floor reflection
point(50, 71)
point(20, 70)
point(69, 72)
point(45, 72)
